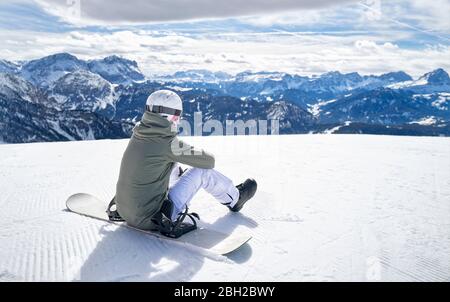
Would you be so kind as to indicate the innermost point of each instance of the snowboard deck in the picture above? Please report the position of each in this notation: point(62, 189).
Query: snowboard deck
point(208, 239)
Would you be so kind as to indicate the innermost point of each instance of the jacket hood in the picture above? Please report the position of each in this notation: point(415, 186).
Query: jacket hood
point(153, 125)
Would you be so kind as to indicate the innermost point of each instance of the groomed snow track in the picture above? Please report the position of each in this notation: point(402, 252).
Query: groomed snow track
point(329, 208)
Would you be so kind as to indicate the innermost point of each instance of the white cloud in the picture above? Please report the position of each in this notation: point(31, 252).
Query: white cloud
point(289, 19)
point(294, 53)
point(432, 15)
point(343, 15)
point(143, 11)
point(419, 16)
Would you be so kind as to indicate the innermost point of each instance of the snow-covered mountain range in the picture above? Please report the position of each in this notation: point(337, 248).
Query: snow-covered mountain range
point(105, 97)
point(45, 71)
point(432, 82)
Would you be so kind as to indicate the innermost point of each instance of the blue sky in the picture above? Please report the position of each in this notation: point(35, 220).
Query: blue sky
point(304, 37)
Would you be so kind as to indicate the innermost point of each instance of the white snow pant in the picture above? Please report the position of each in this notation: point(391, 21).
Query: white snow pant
point(182, 189)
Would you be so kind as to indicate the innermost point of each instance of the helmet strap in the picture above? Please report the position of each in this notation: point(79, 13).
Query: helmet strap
point(162, 109)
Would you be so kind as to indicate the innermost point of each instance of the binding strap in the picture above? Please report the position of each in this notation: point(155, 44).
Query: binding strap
point(176, 229)
point(113, 215)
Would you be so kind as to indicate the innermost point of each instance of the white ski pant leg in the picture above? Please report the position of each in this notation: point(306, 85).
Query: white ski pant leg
point(174, 175)
point(215, 183)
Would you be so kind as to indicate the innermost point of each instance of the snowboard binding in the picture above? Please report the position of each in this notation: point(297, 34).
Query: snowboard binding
point(163, 224)
point(174, 229)
point(113, 215)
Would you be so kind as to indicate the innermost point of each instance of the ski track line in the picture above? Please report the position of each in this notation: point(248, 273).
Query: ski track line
point(36, 208)
point(8, 262)
point(435, 263)
point(28, 261)
point(42, 259)
point(31, 261)
point(406, 273)
point(90, 236)
point(51, 253)
point(19, 225)
point(432, 270)
point(77, 249)
point(421, 274)
point(22, 260)
point(58, 247)
point(55, 258)
point(71, 253)
point(46, 265)
point(12, 264)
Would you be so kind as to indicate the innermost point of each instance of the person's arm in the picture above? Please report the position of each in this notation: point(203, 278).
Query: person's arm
point(182, 152)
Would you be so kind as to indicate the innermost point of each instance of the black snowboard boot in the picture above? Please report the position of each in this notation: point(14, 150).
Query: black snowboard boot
point(247, 190)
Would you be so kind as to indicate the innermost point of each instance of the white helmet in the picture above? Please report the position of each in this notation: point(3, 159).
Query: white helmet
point(165, 102)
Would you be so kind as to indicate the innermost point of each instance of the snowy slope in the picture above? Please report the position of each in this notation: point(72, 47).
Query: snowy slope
point(7, 66)
point(15, 87)
point(329, 207)
point(84, 90)
point(43, 72)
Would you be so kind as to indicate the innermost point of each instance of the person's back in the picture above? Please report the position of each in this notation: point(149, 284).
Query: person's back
point(149, 162)
point(145, 171)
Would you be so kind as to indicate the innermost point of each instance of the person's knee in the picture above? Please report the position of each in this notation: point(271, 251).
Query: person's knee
point(199, 172)
point(205, 176)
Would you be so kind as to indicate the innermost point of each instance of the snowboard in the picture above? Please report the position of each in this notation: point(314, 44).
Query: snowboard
point(205, 238)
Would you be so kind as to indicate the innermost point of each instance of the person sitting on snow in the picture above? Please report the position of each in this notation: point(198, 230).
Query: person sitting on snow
point(145, 197)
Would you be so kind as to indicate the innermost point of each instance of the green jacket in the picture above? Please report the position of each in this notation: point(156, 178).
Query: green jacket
point(146, 167)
